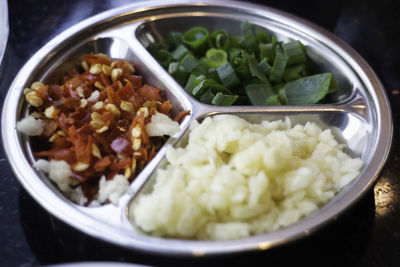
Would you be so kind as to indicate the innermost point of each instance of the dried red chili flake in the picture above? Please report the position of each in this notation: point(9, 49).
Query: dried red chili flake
point(150, 93)
point(181, 115)
point(49, 127)
point(97, 59)
point(103, 163)
point(165, 107)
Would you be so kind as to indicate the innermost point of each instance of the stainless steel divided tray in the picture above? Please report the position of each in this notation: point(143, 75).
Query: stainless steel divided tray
point(359, 111)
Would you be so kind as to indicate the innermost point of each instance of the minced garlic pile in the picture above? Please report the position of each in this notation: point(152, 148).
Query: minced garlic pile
point(234, 179)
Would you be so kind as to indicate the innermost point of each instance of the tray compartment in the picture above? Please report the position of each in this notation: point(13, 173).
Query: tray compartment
point(115, 48)
point(321, 58)
point(346, 128)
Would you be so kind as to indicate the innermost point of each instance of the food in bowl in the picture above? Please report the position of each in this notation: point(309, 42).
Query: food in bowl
point(252, 69)
point(233, 179)
point(98, 128)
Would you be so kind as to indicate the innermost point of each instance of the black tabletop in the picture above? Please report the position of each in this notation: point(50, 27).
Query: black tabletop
point(366, 235)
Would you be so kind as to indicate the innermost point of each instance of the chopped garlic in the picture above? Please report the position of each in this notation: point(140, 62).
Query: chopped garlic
point(112, 189)
point(162, 125)
point(30, 126)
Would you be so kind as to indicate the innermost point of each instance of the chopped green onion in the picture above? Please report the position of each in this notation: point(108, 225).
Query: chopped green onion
point(264, 66)
point(227, 75)
point(282, 95)
point(211, 91)
point(212, 74)
point(196, 38)
point(164, 57)
point(190, 83)
point(199, 79)
point(308, 90)
point(249, 38)
point(202, 68)
point(237, 41)
point(173, 67)
point(219, 39)
point(234, 54)
point(294, 52)
point(207, 97)
point(189, 63)
point(259, 93)
point(220, 88)
point(263, 37)
point(266, 51)
point(241, 65)
point(273, 101)
point(216, 57)
point(254, 69)
point(202, 86)
point(177, 71)
point(179, 52)
point(224, 100)
point(294, 72)
point(333, 86)
point(279, 65)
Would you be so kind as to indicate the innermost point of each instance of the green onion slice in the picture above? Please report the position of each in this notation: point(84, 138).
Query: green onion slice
point(250, 39)
point(202, 86)
point(212, 74)
point(263, 37)
point(178, 72)
point(273, 101)
point(241, 65)
point(279, 65)
point(259, 93)
point(308, 90)
point(190, 83)
point(254, 69)
point(211, 91)
point(216, 57)
point(202, 67)
point(221, 99)
point(264, 66)
point(188, 63)
point(196, 38)
point(207, 97)
point(179, 52)
point(219, 39)
point(333, 86)
point(266, 51)
point(216, 88)
point(173, 67)
point(164, 57)
point(282, 95)
point(294, 72)
point(294, 52)
point(227, 75)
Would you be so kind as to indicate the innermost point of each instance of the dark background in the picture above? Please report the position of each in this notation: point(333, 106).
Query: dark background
point(367, 235)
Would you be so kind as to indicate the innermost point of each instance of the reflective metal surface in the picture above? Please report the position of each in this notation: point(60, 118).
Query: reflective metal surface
point(359, 112)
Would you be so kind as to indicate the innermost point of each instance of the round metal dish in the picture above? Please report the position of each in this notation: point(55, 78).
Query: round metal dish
point(359, 112)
